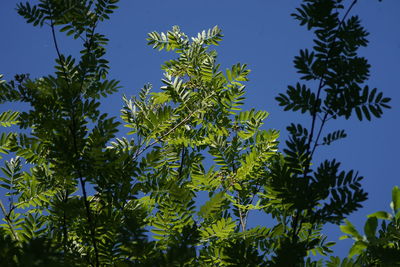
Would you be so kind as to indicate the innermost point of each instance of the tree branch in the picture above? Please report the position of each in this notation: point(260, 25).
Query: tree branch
point(324, 120)
point(73, 132)
point(322, 79)
point(322, 84)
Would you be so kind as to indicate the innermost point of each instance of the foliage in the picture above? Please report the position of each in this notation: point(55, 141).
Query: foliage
point(309, 197)
point(378, 247)
point(77, 195)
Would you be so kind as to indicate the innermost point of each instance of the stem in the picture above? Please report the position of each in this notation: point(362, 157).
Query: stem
point(92, 227)
point(183, 154)
point(73, 133)
point(7, 218)
point(324, 120)
point(53, 33)
point(314, 114)
point(159, 139)
point(241, 216)
point(295, 224)
point(90, 220)
point(88, 40)
point(65, 227)
point(322, 78)
point(251, 202)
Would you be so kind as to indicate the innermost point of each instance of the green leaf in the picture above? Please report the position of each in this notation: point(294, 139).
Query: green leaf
point(370, 227)
point(212, 206)
point(358, 113)
point(160, 98)
point(349, 228)
point(357, 248)
point(381, 215)
point(366, 112)
point(8, 118)
point(395, 199)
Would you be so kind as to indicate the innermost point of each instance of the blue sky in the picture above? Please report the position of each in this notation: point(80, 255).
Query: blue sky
point(260, 33)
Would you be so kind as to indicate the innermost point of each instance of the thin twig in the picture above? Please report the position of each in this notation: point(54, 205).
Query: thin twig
point(241, 217)
point(251, 202)
point(324, 120)
point(183, 154)
point(65, 229)
point(159, 139)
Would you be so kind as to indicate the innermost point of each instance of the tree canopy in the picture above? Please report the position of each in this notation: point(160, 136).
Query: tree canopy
point(78, 194)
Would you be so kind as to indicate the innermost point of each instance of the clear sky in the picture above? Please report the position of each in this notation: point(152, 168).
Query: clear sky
point(260, 33)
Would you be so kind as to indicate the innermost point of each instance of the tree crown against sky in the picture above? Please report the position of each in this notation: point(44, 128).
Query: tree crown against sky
point(151, 181)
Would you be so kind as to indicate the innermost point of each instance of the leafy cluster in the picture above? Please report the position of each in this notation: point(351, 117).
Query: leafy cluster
point(377, 247)
point(77, 195)
point(310, 197)
point(93, 199)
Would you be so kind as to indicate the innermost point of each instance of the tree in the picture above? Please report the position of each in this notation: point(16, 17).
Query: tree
point(79, 196)
point(325, 194)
